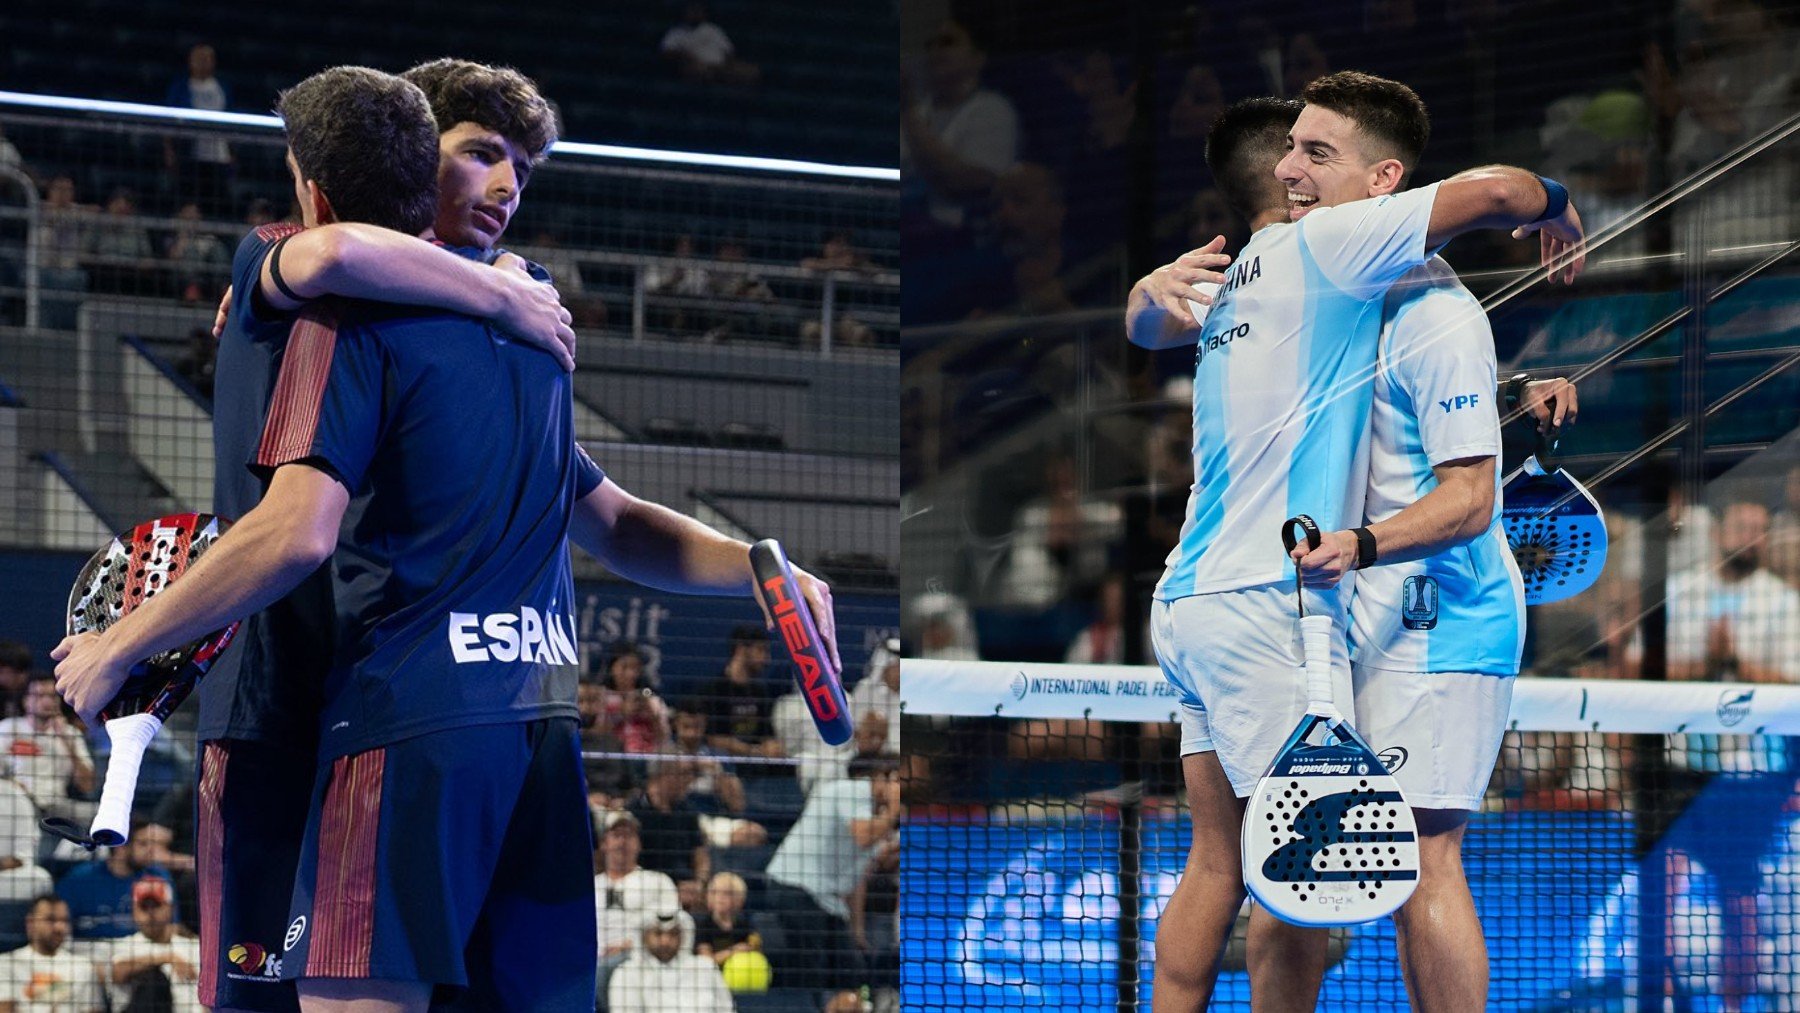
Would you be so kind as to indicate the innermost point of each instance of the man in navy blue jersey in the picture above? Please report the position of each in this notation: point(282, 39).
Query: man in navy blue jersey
point(448, 459)
point(259, 706)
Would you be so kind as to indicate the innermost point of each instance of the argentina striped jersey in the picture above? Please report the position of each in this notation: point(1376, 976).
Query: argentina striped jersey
point(1281, 388)
point(1462, 610)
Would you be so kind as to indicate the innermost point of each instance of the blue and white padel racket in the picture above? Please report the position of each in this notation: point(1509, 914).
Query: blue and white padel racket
point(1555, 528)
point(1328, 838)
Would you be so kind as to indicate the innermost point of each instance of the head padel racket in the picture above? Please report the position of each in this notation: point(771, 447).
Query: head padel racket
point(1328, 838)
point(815, 672)
point(128, 571)
point(1555, 527)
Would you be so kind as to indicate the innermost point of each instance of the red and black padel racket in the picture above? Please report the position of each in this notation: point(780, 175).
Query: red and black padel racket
point(814, 671)
point(130, 570)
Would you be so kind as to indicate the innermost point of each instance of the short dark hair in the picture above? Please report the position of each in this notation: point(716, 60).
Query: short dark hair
point(748, 634)
point(367, 139)
point(1242, 148)
point(1389, 114)
point(14, 654)
point(499, 98)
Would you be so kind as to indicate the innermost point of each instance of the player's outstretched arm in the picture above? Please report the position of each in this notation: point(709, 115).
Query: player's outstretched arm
point(1458, 510)
point(264, 556)
point(1157, 314)
point(361, 261)
point(653, 545)
point(1506, 197)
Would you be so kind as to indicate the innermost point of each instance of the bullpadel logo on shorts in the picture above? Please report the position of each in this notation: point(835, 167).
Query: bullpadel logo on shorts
point(294, 932)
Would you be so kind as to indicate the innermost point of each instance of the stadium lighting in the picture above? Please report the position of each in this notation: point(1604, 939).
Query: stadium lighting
point(658, 156)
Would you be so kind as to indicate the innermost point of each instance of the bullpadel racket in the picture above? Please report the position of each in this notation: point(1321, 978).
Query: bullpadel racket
point(1328, 838)
point(1555, 528)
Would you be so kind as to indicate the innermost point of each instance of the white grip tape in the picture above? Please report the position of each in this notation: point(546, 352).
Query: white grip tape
point(1316, 633)
point(130, 736)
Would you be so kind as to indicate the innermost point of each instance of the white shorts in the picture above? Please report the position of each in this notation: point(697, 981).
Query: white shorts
point(1234, 657)
point(1438, 732)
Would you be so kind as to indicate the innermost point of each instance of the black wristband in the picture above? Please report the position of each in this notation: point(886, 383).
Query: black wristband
point(275, 270)
point(1365, 548)
point(1513, 389)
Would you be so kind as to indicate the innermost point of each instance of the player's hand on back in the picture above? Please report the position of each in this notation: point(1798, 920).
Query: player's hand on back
point(1561, 244)
point(224, 313)
point(533, 312)
point(87, 675)
point(1172, 285)
point(1327, 564)
point(1551, 403)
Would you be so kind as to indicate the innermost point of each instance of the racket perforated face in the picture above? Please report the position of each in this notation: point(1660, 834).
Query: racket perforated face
point(1557, 535)
point(130, 570)
point(1328, 839)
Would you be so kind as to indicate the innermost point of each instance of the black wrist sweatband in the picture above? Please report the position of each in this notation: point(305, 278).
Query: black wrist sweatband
point(1365, 548)
point(1512, 390)
point(275, 270)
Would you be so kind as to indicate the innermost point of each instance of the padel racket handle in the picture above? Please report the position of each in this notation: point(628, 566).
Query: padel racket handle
point(1315, 640)
point(1544, 448)
point(131, 736)
point(820, 685)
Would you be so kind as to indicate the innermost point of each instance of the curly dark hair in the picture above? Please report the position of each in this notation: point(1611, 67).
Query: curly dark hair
point(499, 98)
point(1242, 148)
point(367, 139)
point(1388, 113)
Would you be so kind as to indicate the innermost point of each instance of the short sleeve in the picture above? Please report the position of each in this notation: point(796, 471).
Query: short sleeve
point(1366, 245)
point(326, 408)
point(247, 305)
point(588, 475)
point(1442, 357)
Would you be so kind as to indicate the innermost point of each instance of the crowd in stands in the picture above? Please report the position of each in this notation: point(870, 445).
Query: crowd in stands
point(1022, 158)
point(734, 852)
point(165, 228)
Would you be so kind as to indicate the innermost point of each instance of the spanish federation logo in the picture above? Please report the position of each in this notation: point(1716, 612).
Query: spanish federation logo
point(1020, 685)
point(248, 957)
point(1734, 706)
point(294, 932)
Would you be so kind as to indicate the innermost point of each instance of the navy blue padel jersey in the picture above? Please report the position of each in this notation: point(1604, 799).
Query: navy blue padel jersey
point(451, 578)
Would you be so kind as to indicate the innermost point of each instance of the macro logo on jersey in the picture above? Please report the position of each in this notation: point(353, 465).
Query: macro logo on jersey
point(1734, 706)
point(1419, 602)
point(527, 635)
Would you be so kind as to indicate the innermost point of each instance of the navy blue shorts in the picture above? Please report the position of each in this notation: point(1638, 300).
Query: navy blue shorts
point(253, 800)
point(462, 858)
